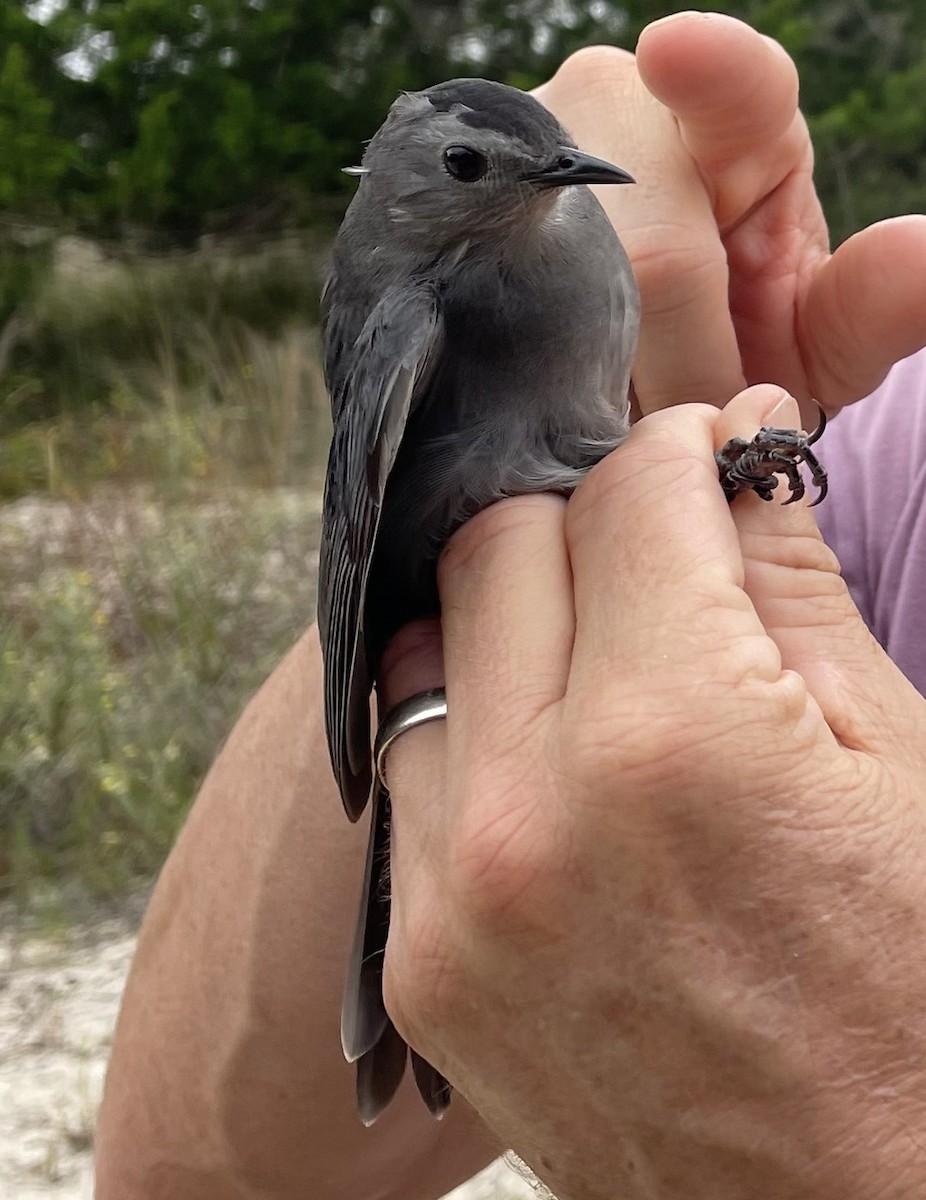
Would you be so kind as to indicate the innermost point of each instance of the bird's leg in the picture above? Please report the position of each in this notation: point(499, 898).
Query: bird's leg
point(752, 466)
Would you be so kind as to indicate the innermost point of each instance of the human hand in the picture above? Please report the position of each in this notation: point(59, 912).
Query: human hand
point(658, 902)
point(724, 229)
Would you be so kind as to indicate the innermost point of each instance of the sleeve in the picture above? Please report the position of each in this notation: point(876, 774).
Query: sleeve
point(875, 515)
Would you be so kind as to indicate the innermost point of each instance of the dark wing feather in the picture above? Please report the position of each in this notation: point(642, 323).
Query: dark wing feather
point(363, 1014)
point(368, 1036)
point(379, 1074)
point(344, 310)
point(370, 402)
point(433, 1088)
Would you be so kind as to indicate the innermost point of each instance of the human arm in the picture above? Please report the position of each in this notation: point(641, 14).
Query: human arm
point(665, 924)
point(227, 1078)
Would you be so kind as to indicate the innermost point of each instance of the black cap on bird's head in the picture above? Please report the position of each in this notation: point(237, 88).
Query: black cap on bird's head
point(471, 154)
point(518, 115)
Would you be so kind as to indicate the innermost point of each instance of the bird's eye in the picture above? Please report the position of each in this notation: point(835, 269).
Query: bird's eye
point(464, 163)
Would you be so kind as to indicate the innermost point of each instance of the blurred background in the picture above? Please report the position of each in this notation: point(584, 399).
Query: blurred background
point(169, 185)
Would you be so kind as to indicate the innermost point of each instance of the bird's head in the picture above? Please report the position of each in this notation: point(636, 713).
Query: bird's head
point(470, 157)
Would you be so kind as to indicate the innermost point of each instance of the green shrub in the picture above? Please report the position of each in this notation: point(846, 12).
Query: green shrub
point(94, 318)
point(132, 634)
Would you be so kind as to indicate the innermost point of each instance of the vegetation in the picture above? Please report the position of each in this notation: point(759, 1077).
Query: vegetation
point(148, 124)
point(149, 115)
point(97, 327)
point(138, 615)
point(130, 640)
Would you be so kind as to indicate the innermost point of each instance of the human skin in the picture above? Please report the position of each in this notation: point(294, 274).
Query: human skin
point(226, 1078)
point(658, 906)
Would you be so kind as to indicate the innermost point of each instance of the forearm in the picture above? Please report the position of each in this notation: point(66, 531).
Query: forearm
point(226, 1077)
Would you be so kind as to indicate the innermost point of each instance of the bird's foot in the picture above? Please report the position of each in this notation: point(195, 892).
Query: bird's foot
point(753, 466)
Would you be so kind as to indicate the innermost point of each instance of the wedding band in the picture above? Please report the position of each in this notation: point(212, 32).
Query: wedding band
point(416, 710)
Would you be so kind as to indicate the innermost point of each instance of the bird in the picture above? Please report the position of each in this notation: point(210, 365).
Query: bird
point(480, 318)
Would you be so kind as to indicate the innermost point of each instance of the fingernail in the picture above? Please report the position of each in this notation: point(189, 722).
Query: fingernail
point(784, 414)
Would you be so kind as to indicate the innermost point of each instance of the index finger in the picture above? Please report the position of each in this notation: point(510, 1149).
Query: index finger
point(657, 565)
point(734, 94)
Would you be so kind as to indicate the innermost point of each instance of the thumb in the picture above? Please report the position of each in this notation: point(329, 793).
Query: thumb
point(794, 582)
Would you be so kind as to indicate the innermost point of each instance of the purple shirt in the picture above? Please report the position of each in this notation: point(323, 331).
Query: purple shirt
point(874, 517)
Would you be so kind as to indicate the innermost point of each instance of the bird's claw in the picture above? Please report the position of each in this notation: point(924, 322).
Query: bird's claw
point(753, 466)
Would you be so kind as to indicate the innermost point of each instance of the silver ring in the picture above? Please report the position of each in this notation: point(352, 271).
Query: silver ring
point(416, 710)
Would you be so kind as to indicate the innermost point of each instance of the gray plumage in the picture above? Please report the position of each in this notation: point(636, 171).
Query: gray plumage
point(479, 320)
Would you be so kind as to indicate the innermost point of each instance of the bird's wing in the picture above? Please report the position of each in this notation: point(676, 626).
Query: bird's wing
point(343, 313)
point(371, 406)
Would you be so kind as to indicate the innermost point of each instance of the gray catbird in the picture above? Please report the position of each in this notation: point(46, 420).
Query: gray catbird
point(480, 320)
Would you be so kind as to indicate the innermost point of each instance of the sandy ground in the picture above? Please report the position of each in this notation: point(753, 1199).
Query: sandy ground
point(58, 1002)
point(59, 996)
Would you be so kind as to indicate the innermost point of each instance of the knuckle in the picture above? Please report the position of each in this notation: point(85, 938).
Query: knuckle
point(495, 885)
point(420, 973)
point(684, 734)
point(596, 66)
point(504, 857)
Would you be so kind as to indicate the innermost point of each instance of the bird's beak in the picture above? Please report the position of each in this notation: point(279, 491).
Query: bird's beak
point(573, 166)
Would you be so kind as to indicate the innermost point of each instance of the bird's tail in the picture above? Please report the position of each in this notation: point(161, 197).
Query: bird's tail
point(368, 1036)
